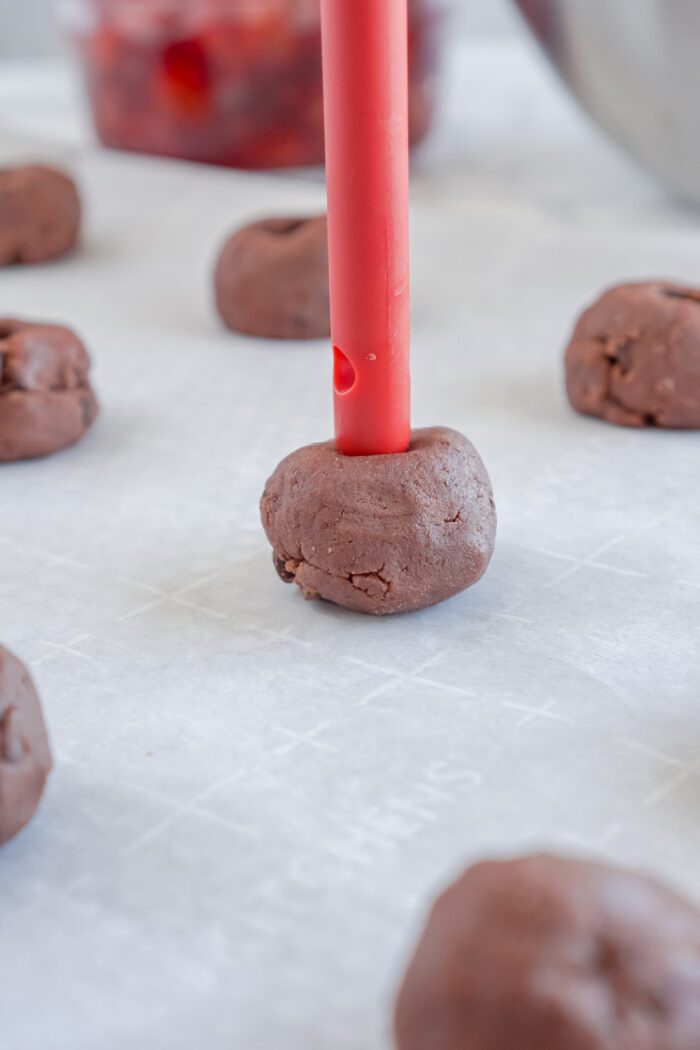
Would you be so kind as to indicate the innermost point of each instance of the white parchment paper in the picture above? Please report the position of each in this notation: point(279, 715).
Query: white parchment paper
point(254, 798)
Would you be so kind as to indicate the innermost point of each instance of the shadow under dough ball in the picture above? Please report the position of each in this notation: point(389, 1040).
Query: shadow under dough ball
point(634, 358)
point(271, 279)
point(39, 214)
point(46, 401)
point(25, 757)
point(382, 534)
point(545, 953)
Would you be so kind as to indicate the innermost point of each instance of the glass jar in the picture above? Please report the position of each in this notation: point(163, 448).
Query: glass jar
point(232, 82)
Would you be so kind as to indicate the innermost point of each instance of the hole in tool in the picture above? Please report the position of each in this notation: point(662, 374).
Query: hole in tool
point(343, 372)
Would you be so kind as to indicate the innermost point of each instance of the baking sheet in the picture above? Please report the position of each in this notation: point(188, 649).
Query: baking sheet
point(255, 798)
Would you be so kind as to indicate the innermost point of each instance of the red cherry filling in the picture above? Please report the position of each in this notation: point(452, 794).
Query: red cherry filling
point(187, 79)
point(242, 88)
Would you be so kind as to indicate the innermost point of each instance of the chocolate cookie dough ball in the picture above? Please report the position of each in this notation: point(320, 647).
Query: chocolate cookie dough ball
point(634, 358)
point(25, 758)
point(551, 954)
point(271, 279)
point(46, 401)
point(39, 214)
point(382, 534)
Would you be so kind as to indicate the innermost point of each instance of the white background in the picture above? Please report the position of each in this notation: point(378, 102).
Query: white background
point(27, 27)
point(255, 799)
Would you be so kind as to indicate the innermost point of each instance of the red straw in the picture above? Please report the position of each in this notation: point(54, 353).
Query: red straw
point(365, 72)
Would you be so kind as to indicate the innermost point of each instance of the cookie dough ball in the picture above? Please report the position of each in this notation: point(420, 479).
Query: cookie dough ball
point(25, 758)
point(39, 214)
point(634, 358)
point(46, 402)
point(271, 279)
point(551, 954)
point(382, 534)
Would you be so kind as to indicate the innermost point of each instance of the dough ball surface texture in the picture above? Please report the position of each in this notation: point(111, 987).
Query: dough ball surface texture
point(25, 758)
point(545, 953)
point(39, 214)
point(634, 358)
point(382, 534)
point(46, 401)
point(271, 279)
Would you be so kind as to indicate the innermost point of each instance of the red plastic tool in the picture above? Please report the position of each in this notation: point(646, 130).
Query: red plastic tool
point(365, 71)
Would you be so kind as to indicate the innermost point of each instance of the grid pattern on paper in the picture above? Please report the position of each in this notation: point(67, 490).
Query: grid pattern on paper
point(255, 798)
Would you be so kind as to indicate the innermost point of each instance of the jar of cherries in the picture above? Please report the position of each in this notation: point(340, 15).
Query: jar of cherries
point(232, 82)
